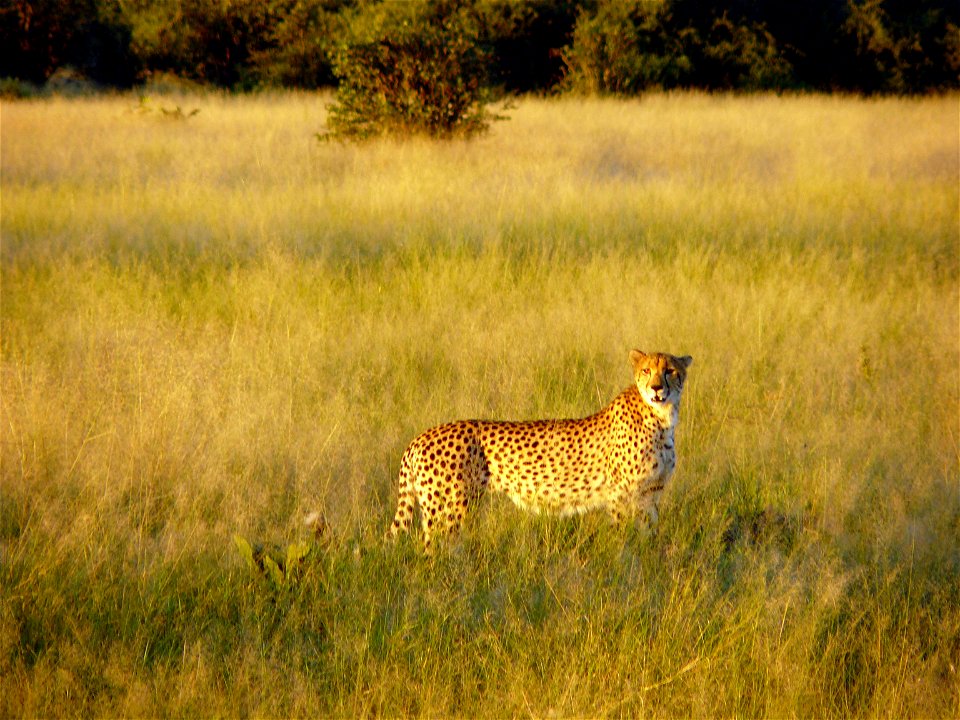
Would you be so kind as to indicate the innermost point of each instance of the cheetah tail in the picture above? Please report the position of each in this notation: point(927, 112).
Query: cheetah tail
point(405, 500)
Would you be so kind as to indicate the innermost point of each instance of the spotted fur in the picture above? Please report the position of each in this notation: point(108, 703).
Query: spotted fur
point(618, 460)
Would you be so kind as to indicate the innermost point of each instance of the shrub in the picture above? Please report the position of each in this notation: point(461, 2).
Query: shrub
point(38, 37)
point(70, 82)
point(525, 37)
point(16, 89)
point(741, 55)
point(208, 41)
point(627, 47)
point(300, 45)
point(623, 48)
point(410, 69)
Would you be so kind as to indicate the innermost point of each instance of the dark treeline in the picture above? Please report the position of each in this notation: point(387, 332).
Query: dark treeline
point(600, 46)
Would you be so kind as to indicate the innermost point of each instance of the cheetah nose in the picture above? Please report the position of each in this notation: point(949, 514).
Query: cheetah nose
point(656, 388)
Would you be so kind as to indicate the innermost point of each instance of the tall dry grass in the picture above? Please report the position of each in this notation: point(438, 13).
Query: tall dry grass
point(213, 325)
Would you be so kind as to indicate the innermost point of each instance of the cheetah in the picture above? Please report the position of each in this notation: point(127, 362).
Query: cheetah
point(618, 460)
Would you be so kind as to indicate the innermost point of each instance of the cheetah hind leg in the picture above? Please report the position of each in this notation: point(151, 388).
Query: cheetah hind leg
point(438, 518)
point(405, 501)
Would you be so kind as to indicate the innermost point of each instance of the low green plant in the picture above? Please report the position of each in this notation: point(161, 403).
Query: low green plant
point(280, 566)
point(146, 107)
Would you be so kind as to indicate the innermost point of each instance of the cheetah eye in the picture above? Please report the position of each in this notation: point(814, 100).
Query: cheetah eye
point(645, 371)
point(668, 371)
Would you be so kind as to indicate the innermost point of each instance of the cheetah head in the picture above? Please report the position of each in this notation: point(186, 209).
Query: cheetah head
point(660, 377)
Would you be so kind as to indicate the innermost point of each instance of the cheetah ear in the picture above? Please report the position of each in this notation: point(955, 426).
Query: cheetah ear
point(686, 361)
point(637, 357)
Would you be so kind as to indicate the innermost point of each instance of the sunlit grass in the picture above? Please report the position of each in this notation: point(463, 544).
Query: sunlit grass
point(214, 325)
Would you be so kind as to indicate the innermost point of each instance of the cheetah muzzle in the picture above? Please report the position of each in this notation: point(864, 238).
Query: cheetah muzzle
point(618, 460)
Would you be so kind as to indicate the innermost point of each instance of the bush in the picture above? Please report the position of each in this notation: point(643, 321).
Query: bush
point(899, 47)
point(89, 36)
point(300, 46)
point(69, 82)
point(208, 41)
point(626, 47)
point(525, 37)
point(16, 89)
point(410, 69)
point(623, 48)
point(741, 56)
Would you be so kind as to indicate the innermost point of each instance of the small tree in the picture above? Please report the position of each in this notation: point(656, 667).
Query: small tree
point(410, 69)
point(624, 47)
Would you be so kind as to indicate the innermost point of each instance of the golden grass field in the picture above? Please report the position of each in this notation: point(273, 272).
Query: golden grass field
point(212, 325)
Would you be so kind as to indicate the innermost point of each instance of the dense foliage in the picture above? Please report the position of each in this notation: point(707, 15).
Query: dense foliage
point(614, 46)
point(410, 69)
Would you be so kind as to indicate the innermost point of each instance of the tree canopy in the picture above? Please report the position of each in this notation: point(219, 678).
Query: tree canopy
point(593, 46)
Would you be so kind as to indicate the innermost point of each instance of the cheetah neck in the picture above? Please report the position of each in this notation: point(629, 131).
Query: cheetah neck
point(663, 416)
point(666, 416)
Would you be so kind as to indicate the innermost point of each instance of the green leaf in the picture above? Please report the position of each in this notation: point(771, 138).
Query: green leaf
point(246, 552)
point(273, 570)
point(295, 553)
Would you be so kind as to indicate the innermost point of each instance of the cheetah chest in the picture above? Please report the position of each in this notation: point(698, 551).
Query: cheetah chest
point(661, 460)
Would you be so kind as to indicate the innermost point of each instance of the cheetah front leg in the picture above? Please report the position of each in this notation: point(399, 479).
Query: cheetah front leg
point(649, 512)
point(649, 518)
point(624, 502)
point(645, 515)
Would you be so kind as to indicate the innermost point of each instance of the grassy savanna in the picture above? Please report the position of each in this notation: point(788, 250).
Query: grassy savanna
point(213, 325)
